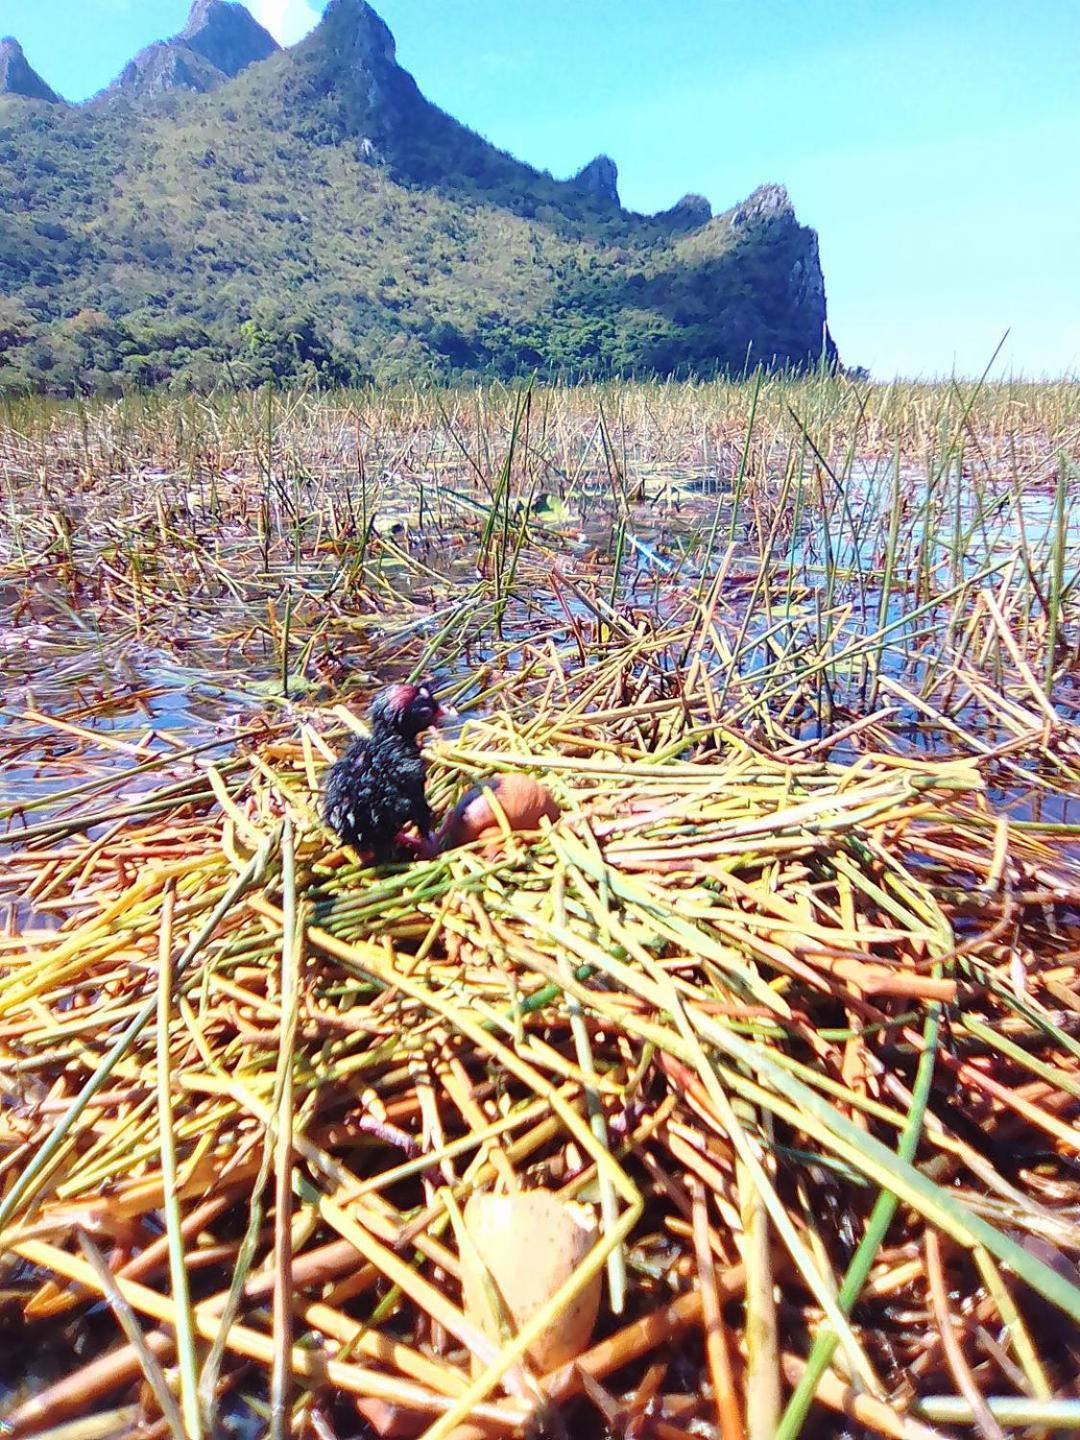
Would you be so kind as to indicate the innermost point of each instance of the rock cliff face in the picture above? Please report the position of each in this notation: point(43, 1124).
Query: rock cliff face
point(342, 85)
point(227, 35)
point(360, 37)
point(18, 77)
point(767, 203)
point(347, 71)
point(219, 40)
point(226, 197)
point(600, 177)
point(767, 219)
point(165, 66)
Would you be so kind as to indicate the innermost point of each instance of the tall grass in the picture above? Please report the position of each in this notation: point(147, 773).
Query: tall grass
point(787, 994)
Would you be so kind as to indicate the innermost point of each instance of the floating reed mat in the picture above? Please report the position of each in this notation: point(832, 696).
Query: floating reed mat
point(794, 1042)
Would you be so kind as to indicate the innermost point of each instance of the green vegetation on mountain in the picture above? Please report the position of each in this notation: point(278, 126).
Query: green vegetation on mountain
point(316, 219)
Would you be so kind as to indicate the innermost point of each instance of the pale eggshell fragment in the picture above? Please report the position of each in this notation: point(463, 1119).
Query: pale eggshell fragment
point(530, 1244)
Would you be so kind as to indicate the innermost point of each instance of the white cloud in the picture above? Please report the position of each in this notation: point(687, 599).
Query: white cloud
point(287, 20)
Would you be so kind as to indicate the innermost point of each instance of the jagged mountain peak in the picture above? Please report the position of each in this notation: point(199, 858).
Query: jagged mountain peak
point(164, 66)
point(320, 193)
point(18, 76)
point(366, 35)
point(600, 178)
point(202, 11)
point(220, 39)
point(227, 35)
point(343, 80)
point(767, 202)
point(199, 14)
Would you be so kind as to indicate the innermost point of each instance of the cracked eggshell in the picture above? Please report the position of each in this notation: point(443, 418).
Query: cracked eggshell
point(530, 1244)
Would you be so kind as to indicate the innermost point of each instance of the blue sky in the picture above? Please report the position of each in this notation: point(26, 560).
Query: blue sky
point(934, 144)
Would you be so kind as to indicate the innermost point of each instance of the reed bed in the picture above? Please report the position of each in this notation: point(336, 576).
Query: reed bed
point(788, 995)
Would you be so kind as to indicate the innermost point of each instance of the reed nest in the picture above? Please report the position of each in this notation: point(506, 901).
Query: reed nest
point(787, 997)
point(801, 1031)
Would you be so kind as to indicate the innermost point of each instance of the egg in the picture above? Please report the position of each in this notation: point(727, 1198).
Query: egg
point(523, 801)
point(527, 1245)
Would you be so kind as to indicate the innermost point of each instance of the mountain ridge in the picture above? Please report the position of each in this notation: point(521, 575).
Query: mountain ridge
point(18, 76)
point(220, 39)
point(314, 216)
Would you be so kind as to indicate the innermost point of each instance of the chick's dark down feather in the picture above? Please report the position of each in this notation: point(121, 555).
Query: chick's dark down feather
point(374, 790)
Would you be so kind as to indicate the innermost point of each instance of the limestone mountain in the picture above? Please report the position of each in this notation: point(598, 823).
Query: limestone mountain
point(236, 212)
point(600, 177)
point(18, 77)
point(220, 39)
point(689, 212)
point(227, 35)
point(342, 85)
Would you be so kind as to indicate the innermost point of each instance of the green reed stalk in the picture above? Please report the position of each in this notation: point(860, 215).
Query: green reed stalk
point(881, 1217)
point(1057, 570)
point(285, 628)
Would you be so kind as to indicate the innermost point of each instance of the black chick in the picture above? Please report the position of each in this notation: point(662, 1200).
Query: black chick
point(377, 786)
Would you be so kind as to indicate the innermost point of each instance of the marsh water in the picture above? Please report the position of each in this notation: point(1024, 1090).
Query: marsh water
point(91, 689)
point(154, 618)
